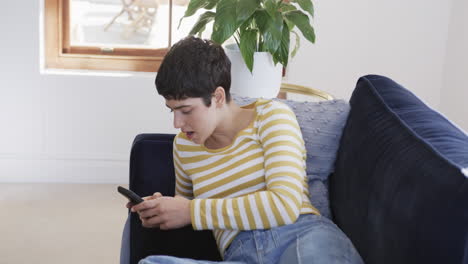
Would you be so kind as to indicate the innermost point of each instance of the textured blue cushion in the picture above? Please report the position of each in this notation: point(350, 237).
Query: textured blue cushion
point(400, 189)
point(321, 126)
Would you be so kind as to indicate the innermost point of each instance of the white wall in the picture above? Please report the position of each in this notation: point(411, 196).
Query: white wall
point(79, 128)
point(66, 128)
point(454, 93)
point(404, 40)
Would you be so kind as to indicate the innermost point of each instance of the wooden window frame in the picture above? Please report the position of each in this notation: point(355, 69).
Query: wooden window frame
point(60, 55)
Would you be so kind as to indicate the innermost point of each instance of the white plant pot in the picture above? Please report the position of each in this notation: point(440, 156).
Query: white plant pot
point(265, 79)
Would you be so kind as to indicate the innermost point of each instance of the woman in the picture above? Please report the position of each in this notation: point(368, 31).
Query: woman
point(240, 171)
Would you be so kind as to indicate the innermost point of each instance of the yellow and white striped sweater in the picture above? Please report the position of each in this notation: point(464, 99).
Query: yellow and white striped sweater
point(257, 182)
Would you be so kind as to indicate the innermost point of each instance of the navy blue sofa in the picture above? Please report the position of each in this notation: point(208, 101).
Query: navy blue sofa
point(399, 190)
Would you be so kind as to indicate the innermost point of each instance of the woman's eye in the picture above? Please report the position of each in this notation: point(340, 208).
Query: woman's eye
point(183, 112)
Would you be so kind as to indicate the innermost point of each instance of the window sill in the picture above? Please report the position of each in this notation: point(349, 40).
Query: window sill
point(97, 73)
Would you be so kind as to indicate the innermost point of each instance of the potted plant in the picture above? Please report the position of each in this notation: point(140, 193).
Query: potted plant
point(257, 26)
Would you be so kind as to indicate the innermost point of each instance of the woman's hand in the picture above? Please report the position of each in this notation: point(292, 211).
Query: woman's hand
point(154, 196)
point(164, 212)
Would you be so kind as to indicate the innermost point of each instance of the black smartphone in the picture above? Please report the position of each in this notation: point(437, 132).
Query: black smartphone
point(132, 197)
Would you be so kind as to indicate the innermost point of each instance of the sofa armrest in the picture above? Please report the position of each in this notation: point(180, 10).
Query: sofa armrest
point(400, 187)
point(152, 170)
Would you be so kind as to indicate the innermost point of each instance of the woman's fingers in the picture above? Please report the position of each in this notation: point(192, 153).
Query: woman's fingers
point(156, 195)
point(149, 213)
point(145, 205)
point(151, 222)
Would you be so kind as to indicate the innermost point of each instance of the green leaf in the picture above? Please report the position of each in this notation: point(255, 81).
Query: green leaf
point(194, 5)
point(225, 23)
point(271, 29)
point(282, 54)
point(261, 18)
point(285, 7)
point(211, 4)
point(301, 20)
point(246, 24)
point(290, 25)
point(307, 6)
point(248, 45)
point(245, 8)
point(204, 19)
point(297, 45)
point(192, 8)
point(275, 58)
point(271, 7)
point(283, 49)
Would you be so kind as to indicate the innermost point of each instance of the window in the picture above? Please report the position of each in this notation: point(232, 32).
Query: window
point(128, 35)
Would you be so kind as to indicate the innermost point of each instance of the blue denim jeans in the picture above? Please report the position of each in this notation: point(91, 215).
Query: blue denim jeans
point(311, 239)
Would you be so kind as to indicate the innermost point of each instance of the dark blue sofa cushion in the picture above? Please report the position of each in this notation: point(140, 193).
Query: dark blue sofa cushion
point(400, 189)
point(152, 170)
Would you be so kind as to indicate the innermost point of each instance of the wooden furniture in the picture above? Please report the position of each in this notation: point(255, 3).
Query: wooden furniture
point(303, 90)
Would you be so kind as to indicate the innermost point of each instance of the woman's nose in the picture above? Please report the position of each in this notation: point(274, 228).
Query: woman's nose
point(178, 122)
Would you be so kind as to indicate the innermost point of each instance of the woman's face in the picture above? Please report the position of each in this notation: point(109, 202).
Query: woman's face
point(194, 118)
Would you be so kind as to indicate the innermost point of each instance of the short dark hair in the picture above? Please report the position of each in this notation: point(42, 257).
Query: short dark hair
point(194, 67)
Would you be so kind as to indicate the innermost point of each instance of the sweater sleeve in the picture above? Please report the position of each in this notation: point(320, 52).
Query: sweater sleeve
point(284, 166)
point(183, 183)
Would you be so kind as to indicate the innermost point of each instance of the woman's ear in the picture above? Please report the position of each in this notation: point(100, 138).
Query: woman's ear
point(220, 96)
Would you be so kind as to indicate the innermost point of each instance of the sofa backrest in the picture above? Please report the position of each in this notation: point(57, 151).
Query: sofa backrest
point(152, 170)
point(400, 187)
